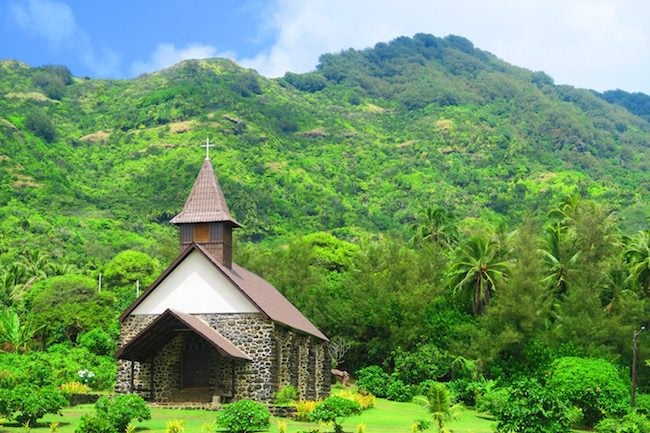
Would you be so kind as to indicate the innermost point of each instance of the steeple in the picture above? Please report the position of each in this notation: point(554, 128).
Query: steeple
point(205, 218)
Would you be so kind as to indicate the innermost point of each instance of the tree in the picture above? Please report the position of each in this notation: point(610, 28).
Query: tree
point(40, 124)
point(479, 267)
point(438, 403)
point(558, 261)
point(128, 267)
point(65, 306)
point(637, 255)
point(435, 224)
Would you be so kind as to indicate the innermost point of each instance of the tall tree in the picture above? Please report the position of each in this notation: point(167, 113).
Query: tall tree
point(479, 267)
point(637, 255)
point(559, 258)
point(435, 224)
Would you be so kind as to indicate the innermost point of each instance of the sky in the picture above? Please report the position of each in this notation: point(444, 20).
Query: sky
point(597, 44)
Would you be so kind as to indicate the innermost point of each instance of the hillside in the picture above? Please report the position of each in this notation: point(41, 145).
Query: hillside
point(92, 167)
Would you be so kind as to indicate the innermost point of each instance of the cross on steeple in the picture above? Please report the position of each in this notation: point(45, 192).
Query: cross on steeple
point(207, 146)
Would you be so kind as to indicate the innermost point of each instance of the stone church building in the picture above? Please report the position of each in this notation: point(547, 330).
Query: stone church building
point(208, 330)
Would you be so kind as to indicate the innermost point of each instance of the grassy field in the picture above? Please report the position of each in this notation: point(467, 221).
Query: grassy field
point(385, 417)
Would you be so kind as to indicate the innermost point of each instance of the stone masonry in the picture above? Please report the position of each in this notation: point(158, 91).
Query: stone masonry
point(280, 357)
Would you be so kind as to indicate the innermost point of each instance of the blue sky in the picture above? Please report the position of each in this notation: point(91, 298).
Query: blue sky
point(599, 44)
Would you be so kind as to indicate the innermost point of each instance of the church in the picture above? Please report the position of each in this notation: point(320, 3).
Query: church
point(208, 330)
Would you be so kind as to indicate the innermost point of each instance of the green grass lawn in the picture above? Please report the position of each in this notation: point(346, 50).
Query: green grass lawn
point(385, 417)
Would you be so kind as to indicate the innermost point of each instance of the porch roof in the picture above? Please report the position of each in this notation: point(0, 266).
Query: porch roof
point(162, 329)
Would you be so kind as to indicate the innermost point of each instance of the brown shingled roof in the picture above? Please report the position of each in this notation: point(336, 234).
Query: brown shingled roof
point(206, 202)
point(260, 292)
point(160, 331)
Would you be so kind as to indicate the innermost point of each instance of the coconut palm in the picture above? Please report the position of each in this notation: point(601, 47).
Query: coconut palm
point(637, 255)
point(557, 261)
point(435, 224)
point(479, 267)
point(438, 403)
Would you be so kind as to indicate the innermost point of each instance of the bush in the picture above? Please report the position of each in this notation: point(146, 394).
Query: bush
point(630, 423)
point(94, 424)
point(26, 404)
point(287, 394)
point(593, 385)
point(532, 408)
point(40, 124)
point(244, 416)
point(335, 409)
point(643, 404)
point(304, 410)
point(427, 362)
point(398, 390)
point(490, 397)
point(75, 387)
point(365, 400)
point(114, 415)
point(175, 426)
point(373, 380)
point(97, 341)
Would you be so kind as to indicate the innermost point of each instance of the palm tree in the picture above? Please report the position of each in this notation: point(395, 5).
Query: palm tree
point(479, 266)
point(637, 255)
point(558, 262)
point(438, 403)
point(435, 224)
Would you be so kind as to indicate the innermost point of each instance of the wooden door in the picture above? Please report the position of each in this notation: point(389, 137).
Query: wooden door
point(196, 362)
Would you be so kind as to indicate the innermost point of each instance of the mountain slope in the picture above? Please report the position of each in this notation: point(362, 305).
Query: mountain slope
point(90, 167)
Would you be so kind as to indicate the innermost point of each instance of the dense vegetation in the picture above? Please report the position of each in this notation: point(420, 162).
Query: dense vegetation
point(446, 216)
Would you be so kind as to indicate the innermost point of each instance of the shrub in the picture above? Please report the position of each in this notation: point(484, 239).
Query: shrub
point(304, 409)
point(244, 416)
point(175, 426)
point(490, 397)
point(114, 415)
point(420, 425)
point(75, 387)
point(532, 408)
point(427, 362)
point(593, 385)
point(94, 424)
point(40, 124)
point(335, 409)
point(27, 404)
point(643, 404)
point(630, 423)
point(97, 341)
point(373, 380)
point(398, 390)
point(287, 394)
point(366, 401)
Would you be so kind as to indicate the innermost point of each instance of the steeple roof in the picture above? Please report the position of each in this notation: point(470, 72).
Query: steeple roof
point(206, 203)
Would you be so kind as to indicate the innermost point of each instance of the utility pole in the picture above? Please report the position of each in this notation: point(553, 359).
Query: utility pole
point(100, 282)
point(635, 341)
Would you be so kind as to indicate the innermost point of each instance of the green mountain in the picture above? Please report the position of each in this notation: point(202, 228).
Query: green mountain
point(91, 167)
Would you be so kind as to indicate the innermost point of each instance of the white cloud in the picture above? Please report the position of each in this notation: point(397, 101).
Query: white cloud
point(579, 42)
point(54, 21)
point(166, 54)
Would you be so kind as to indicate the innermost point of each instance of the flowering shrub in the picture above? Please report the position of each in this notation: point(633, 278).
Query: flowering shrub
point(304, 409)
point(86, 377)
point(244, 416)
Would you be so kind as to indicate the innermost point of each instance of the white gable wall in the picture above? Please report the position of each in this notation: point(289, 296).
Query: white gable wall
point(196, 286)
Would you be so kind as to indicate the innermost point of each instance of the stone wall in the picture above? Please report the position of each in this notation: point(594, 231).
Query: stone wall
point(280, 357)
point(253, 334)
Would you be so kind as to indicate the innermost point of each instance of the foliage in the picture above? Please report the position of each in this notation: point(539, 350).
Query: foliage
point(365, 400)
point(40, 124)
point(630, 423)
point(74, 387)
point(175, 426)
point(15, 334)
point(593, 385)
point(420, 425)
point(114, 415)
point(286, 394)
point(532, 408)
point(438, 402)
point(335, 409)
point(426, 362)
point(490, 397)
point(304, 408)
point(643, 404)
point(373, 379)
point(244, 416)
point(97, 341)
point(396, 390)
point(28, 404)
